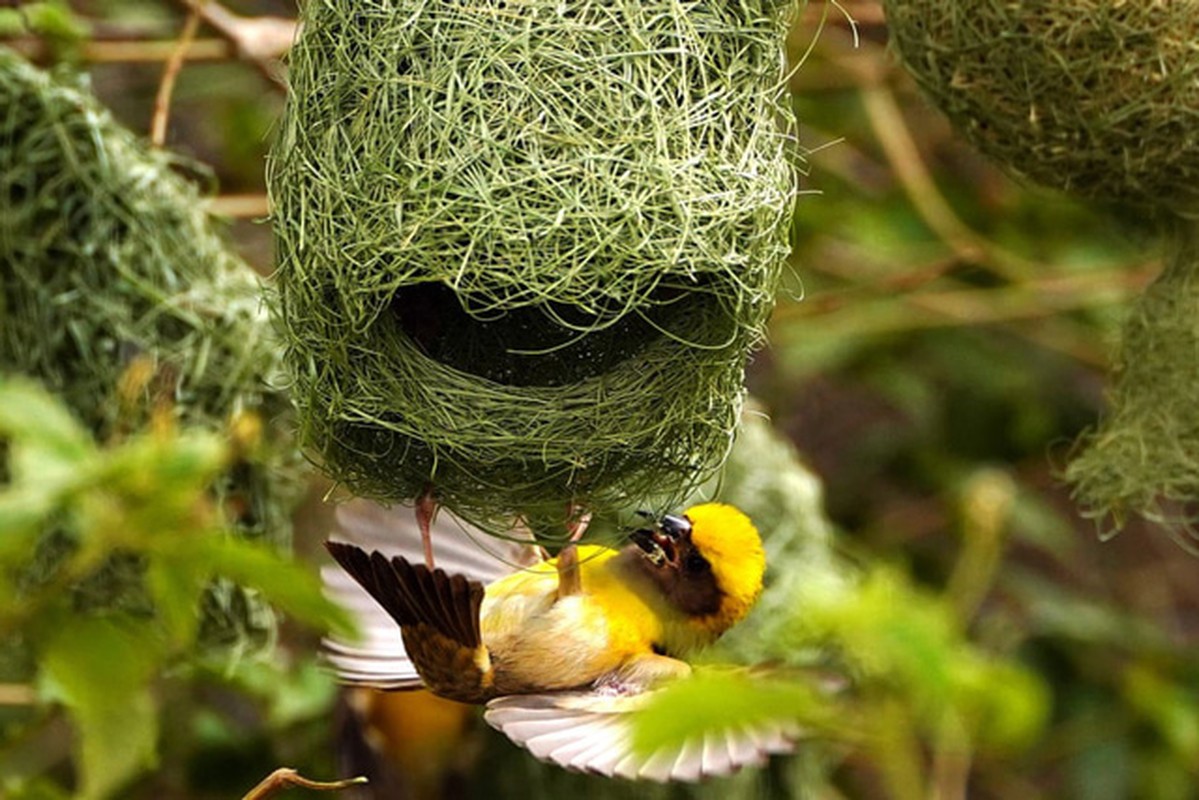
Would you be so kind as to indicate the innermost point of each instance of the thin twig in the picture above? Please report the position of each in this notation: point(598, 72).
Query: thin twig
point(129, 52)
point(285, 777)
point(17, 694)
point(950, 769)
point(240, 206)
point(886, 120)
point(258, 40)
point(1031, 299)
point(170, 73)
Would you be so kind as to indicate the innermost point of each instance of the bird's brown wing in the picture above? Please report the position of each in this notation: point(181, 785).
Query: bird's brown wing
point(588, 731)
point(378, 659)
point(437, 613)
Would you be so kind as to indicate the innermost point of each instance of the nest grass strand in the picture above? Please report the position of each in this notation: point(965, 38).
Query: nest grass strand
point(1094, 97)
point(1144, 458)
point(525, 248)
point(107, 259)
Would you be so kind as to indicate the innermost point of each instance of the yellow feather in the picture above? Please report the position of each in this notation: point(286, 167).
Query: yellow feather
point(731, 544)
point(561, 643)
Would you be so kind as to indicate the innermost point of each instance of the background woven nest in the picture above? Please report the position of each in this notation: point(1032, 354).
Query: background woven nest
point(1144, 458)
point(1097, 97)
point(525, 248)
point(110, 266)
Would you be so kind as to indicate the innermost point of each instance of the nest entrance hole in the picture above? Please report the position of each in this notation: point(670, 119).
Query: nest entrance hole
point(545, 345)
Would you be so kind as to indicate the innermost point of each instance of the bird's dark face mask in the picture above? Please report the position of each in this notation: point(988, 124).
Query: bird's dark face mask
point(681, 572)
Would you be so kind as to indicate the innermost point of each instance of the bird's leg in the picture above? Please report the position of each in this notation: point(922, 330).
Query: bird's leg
point(568, 560)
point(641, 674)
point(426, 512)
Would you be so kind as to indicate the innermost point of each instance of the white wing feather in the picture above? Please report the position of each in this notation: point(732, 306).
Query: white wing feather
point(591, 732)
point(378, 660)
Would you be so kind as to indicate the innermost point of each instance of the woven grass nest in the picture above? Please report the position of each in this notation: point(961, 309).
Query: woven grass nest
point(525, 248)
point(108, 259)
point(1095, 97)
point(1144, 458)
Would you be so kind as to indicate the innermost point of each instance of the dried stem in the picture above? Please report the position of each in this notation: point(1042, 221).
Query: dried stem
point(170, 73)
point(892, 132)
point(17, 694)
point(259, 40)
point(129, 52)
point(285, 777)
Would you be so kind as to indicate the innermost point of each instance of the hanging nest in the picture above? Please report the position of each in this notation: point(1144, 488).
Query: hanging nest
point(1095, 97)
point(1144, 458)
point(525, 248)
point(109, 270)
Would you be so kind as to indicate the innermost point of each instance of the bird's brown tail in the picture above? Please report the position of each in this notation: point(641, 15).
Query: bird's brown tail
point(438, 616)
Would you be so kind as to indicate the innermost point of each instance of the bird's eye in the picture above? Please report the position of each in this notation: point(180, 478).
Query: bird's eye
point(696, 564)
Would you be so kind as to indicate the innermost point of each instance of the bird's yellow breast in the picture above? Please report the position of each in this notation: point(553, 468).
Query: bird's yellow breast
point(540, 642)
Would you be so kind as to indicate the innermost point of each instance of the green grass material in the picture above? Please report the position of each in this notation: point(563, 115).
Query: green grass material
point(525, 248)
point(1095, 97)
point(1144, 458)
point(108, 261)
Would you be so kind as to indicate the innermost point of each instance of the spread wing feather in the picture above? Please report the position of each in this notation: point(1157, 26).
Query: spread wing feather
point(591, 732)
point(416, 595)
point(379, 660)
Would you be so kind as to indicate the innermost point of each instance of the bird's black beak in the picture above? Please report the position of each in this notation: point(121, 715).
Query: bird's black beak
point(660, 544)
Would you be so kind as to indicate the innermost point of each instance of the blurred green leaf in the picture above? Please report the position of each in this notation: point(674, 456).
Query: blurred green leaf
point(176, 586)
point(716, 700)
point(100, 670)
point(293, 588)
point(53, 20)
point(1173, 709)
point(292, 693)
point(32, 789)
point(47, 446)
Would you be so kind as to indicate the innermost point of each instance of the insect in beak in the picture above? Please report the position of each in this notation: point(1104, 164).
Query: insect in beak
point(660, 544)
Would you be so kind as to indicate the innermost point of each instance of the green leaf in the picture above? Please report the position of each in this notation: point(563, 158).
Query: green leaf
point(292, 693)
point(718, 700)
point(294, 589)
point(36, 788)
point(23, 513)
point(176, 586)
point(31, 416)
point(101, 671)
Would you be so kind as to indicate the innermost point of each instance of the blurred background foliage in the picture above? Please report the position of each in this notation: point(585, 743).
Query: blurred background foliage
point(942, 340)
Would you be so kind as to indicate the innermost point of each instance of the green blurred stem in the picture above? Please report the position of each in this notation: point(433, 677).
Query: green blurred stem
point(897, 751)
point(986, 505)
point(951, 763)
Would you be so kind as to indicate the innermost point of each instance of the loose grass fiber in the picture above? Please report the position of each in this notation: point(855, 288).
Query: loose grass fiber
point(525, 247)
point(1144, 458)
point(108, 261)
point(1095, 97)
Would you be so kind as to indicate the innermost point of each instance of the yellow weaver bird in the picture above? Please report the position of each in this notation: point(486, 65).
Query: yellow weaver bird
point(560, 673)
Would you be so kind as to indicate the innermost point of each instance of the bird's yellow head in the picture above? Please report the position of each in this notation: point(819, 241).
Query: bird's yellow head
point(731, 544)
point(708, 563)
